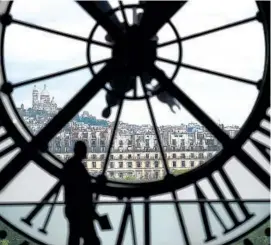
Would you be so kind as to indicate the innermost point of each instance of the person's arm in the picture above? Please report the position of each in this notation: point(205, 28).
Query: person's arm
point(95, 214)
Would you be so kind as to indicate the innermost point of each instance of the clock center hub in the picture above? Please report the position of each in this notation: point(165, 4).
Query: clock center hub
point(133, 53)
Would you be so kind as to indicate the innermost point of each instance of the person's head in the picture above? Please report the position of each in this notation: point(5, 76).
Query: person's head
point(80, 150)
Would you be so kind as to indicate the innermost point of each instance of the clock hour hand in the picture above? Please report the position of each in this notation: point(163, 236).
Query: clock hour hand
point(156, 14)
point(55, 125)
point(98, 10)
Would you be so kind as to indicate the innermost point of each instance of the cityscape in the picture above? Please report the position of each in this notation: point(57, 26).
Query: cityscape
point(135, 154)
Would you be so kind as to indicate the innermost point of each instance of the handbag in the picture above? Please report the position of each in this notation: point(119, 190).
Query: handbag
point(104, 222)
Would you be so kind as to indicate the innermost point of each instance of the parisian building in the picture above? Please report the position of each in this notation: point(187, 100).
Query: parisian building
point(135, 150)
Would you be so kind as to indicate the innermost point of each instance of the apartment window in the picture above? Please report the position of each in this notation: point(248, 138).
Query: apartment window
point(111, 157)
point(183, 164)
point(209, 155)
point(120, 156)
point(102, 156)
point(192, 164)
point(201, 155)
point(192, 155)
point(120, 143)
point(147, 164)
point(138, 164)
point(156, 164)
point(93, 156)
point(201, 162)
point(129, 156)
point(121, 164)
point(111, 164)
point(174, 142)
point(156, 156)
point(174, 155)
point(174, 164)
point(138, 156)
point(130, 164)
point(111, 174)
point(121, 175)
point(129, 143)
point(183, 155)
point(156, 175)
point(94, 164)
point(147, 156)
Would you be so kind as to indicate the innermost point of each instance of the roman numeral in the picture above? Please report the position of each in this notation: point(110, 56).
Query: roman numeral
point(226, 206)
point(128, 212)
point(246, 156)
point(9, 148)
point(51, 195)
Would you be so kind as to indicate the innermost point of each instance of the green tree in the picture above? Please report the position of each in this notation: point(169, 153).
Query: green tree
point(179, 171)
point(130, 178)
point(4, 242)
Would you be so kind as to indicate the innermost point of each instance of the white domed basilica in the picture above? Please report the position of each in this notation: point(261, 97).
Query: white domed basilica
point(42, 101)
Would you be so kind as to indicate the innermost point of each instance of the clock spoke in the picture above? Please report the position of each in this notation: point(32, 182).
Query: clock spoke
point(207, 71)
point(200, 115)
point(51, 195)
point(154, 124)
point(116, 123)
point(236, 222)
point(52, 75)
point(213, 30)
point(4, 19)
point(56, 74)
point(48, 30)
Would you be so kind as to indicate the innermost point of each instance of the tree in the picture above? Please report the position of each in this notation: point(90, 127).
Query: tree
point(4, 242)
point(130, 178)
point(179, 171)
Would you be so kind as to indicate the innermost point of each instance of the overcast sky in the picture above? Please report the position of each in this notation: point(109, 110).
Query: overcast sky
point(238, 51)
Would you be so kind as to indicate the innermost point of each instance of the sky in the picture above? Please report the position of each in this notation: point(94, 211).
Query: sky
point(237, 51)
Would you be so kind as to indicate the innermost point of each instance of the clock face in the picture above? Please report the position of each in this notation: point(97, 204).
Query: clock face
point(224, 198)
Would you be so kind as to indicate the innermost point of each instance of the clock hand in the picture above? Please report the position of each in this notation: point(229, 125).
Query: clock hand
point(99, 11)
point(156, 14)
point(59, 121)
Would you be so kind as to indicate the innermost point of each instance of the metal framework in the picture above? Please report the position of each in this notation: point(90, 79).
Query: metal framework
point(124, 36)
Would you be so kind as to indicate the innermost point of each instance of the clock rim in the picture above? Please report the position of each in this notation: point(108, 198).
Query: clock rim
point(33, 239)
point(117, 188)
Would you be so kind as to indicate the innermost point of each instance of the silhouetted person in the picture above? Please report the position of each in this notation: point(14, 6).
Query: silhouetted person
point(79, 199)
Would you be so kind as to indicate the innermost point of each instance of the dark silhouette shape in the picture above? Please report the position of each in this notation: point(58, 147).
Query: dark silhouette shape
point(267, 232)
point(247, 242)
point(79, 210)
point(3, 234)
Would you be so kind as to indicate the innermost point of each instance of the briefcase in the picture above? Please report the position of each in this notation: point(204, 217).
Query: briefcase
point(104, 222)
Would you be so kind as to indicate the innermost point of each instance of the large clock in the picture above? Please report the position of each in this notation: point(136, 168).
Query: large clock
point(217, 202)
